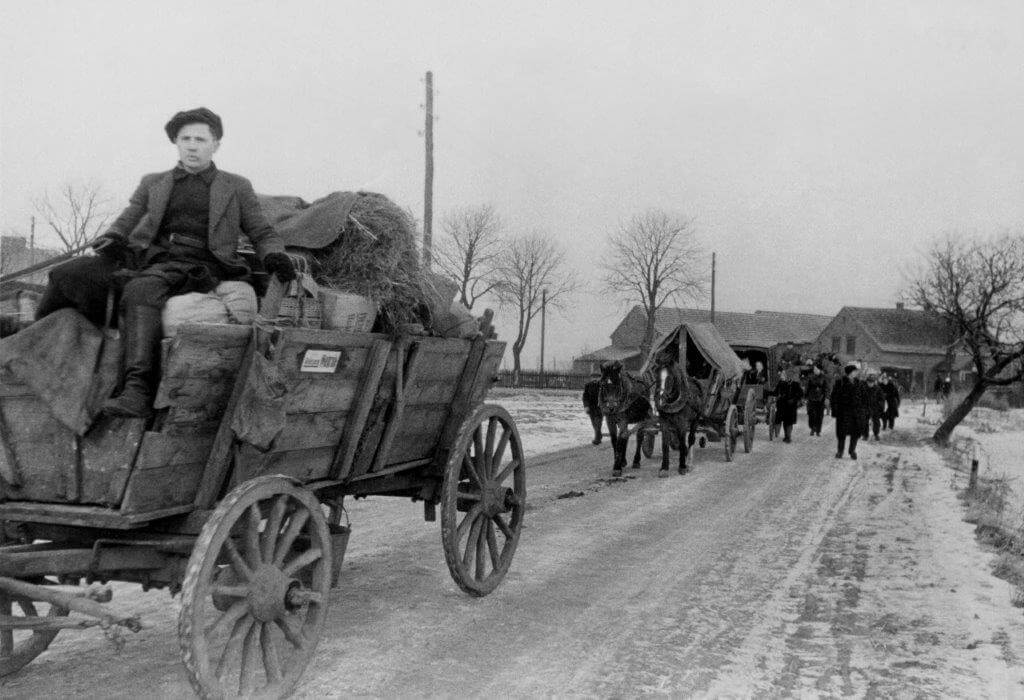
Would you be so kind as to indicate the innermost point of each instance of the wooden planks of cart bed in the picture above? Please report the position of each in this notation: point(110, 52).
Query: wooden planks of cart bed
point(386, 404)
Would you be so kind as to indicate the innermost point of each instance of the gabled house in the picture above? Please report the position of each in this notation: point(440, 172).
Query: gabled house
point(914, 345)
point(742, 331)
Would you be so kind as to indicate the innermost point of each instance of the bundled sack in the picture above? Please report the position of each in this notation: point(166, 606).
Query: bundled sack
point(230, 302)
point(449, 317)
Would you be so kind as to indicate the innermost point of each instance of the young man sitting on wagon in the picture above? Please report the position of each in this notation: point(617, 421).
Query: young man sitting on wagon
point(179, 234)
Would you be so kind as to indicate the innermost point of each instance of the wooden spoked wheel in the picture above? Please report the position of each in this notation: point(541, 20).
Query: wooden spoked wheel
point(731, 432)
point(749, 421)
point(255, 592)
point(19, 646)
point(483, 499)
point(646, 437)
point(773, 427)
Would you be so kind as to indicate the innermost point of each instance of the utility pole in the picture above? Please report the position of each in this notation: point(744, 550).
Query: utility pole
point(428, 184)
point(32, 241)
point(712, 287)
point(543, 313)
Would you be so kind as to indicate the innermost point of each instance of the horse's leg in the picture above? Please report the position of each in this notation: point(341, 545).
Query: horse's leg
point(691, 437)
point(613, 434)
point(639, 444)
point(666, 447)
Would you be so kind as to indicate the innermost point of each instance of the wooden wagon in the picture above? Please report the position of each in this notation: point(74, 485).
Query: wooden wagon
point(726, 412)
point(252, 540)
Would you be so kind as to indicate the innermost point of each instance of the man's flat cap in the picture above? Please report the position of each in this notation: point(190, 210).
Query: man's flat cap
point(199, 115)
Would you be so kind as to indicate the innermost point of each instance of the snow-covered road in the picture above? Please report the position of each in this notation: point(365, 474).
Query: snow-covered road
point(786, 572)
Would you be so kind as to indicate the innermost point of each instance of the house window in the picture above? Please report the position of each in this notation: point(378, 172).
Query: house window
point(851, 344)
point(837, 344)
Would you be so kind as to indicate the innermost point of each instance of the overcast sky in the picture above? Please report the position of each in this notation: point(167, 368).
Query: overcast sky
point(817, 145)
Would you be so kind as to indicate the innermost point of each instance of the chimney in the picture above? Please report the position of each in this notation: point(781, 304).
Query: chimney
point(13, 245)
point(900, 306)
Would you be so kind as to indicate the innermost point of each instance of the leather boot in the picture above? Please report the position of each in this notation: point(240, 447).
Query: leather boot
point(142, 332)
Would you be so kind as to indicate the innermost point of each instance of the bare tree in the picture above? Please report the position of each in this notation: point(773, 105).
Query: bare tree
point(470, 249)
point(977, 287)
point(527, 266)
point(77, 213)
point(653, 259)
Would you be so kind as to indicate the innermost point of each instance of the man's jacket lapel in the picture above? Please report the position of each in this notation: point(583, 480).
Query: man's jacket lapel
point(159, 195)
point(220, 196)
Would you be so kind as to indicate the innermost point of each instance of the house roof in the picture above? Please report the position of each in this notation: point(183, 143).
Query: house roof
point(761, 329)
point(610, 352)
point(903, 330)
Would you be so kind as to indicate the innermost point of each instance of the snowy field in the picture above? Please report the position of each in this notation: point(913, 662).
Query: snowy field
point(548, 420)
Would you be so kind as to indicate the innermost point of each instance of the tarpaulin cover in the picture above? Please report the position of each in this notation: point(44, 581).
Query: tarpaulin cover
point(706, 338)
point(308, 225)
point(69, 363)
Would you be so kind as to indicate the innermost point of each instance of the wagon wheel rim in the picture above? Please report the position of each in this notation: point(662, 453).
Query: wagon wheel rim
point(748, 422)
point(729, 436)
point(483, 501)
point(19, 647)
point(253, 633)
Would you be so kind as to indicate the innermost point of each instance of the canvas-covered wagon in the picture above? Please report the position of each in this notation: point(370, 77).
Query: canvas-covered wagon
point(231, 495)
point(699, 374)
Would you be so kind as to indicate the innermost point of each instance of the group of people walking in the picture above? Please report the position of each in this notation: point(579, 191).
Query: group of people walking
point(862, 408)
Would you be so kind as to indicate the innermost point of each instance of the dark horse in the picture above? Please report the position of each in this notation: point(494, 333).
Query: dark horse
point(623, 401)
point(678, 401)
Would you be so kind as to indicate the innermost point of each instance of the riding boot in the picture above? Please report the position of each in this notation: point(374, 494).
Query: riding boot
point(141, 332)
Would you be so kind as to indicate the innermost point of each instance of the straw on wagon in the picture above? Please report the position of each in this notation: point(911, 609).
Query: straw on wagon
point(376, 256)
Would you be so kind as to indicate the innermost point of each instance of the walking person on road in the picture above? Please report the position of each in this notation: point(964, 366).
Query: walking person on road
point(892, 402)
point(816, 394)
point(874, 397)
point(592, 406)
point(846, 409)
point(787, 399)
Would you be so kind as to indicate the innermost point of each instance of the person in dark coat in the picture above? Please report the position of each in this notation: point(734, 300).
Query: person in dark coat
point(591, 404)
point(816, 395)
point(787, 400)
point(846, 409)
point(874, 398)
point(179, 234)
point(892, 402)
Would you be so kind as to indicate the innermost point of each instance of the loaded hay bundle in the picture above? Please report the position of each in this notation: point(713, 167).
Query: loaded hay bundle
point(376, 256)
point(363, 243)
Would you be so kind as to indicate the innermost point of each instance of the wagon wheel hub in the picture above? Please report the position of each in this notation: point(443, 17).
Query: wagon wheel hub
point(498, 499)
point(272, 594)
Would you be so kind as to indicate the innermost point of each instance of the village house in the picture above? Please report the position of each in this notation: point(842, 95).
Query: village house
point(914, 345)
point(744, 332)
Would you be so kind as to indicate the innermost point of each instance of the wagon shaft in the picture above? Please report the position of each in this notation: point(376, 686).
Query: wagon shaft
point(80, 604)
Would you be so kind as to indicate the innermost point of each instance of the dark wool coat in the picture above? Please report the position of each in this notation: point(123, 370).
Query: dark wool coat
point(817, 388)
point(874, 397)
point(848, 407)
point(234, 212)
point(787, 399)
point(892, 399)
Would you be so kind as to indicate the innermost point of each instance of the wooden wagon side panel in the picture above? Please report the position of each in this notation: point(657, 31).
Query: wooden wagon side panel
point(428, 398)
point(321, 407)
point(53, 465)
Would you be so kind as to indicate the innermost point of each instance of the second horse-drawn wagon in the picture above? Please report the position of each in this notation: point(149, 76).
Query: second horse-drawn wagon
point(698, 381)
point(231, 495)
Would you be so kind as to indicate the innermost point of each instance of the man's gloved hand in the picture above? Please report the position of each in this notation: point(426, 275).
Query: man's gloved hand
point(112, 247)
point(280, 265)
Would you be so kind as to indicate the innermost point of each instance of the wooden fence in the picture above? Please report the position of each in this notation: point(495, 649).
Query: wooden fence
point(547, 380)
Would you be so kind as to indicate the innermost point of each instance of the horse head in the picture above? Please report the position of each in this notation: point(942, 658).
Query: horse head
point(611, 389)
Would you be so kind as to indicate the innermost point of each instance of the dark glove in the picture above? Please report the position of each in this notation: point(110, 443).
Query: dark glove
point(281, 265)
point(112, 247)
